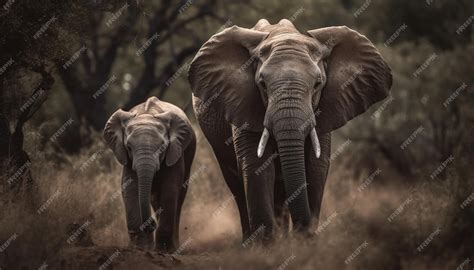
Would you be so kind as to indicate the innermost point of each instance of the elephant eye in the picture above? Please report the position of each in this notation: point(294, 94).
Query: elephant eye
point(318, 82)
point(264, 51)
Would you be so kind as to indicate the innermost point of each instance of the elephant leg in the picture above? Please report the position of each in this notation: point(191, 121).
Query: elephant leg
point(132, 210)
point(236, 185)
point(188, 155)
point(259, 179)
point(316, 174)
point(182, 189)
point(170, 180)
point(219, 135)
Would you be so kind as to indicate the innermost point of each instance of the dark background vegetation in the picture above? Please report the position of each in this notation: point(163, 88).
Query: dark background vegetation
point(78, 175)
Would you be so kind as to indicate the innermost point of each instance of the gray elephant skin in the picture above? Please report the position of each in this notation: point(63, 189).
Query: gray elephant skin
point(155, 143)
point(267, 99)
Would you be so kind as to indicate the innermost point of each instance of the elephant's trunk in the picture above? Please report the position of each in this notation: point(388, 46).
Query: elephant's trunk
point(291, 149)
point(290, 121)
point(145, 167)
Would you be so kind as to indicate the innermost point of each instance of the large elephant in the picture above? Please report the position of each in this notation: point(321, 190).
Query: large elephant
point(155, 143)
point(267, 99)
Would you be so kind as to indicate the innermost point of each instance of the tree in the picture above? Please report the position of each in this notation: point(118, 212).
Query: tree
point(35, 35)
point(423, 125)
point(108, 41)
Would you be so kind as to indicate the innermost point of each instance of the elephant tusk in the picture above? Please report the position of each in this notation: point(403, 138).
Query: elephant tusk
point(263, 143)
point(315, 141)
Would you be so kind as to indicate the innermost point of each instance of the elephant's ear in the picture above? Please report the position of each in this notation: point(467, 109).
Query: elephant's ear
point(222, 75)
point(180, 135)
point(113, 134)
point(357, 76)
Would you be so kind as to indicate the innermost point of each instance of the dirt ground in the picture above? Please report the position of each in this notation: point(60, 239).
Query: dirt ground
point(381, 226)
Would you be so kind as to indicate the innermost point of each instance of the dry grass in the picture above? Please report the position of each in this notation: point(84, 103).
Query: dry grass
point(210, 239)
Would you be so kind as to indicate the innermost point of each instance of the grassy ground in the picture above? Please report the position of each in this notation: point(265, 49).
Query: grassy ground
point(381, 226)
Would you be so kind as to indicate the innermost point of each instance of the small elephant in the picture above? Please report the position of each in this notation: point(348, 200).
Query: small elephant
point(155, 143)
point(267, 99)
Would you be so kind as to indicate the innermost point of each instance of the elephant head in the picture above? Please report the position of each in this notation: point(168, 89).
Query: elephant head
point(145, 142)
point(273, 78)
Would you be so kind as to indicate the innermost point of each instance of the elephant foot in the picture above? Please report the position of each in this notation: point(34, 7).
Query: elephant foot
point(141, 239)
point(165, 247)
point(305, 233)
point(264, 235)
point(166, 243)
